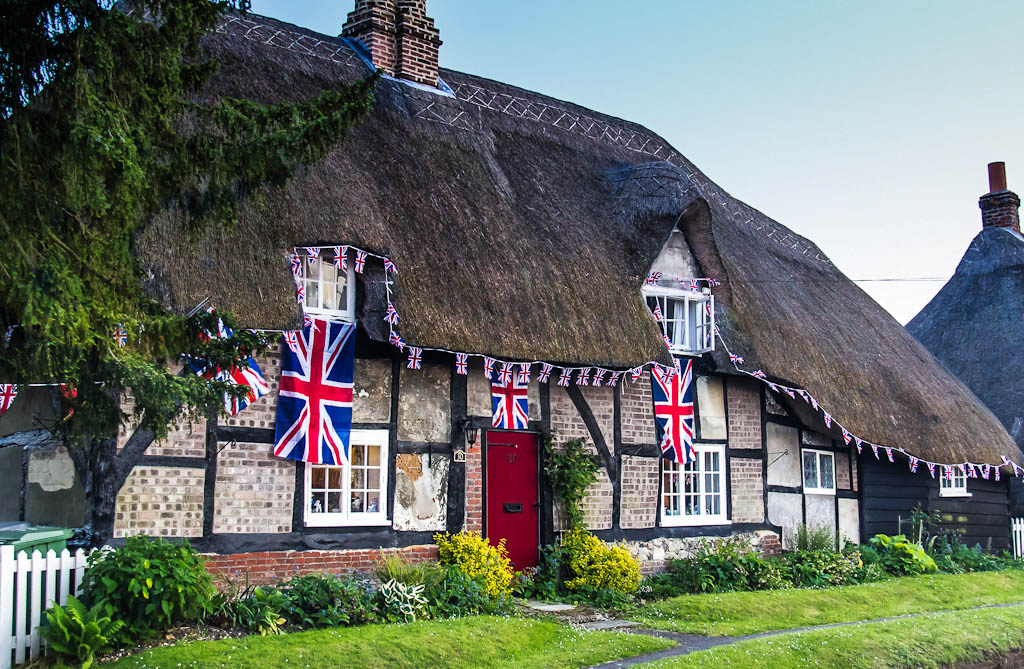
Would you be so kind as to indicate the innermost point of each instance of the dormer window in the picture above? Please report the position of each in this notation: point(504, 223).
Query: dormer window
point(687, 317)
point(330, 291)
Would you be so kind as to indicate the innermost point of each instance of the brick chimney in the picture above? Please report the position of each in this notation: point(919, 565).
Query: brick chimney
point(1000, 208)
point(400, 37)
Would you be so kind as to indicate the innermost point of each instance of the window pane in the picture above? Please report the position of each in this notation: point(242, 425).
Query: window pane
point(810, 470)
point(358, 502)
point(826, 461)
point(317, 477)
point(317, 502)
point(313, 294)
point(373, 479)
point(334, 502)
point(358, 455)
point(374, 504)
point(358, 479)
point(374, 455)
point(334, 478)
point(328, 276)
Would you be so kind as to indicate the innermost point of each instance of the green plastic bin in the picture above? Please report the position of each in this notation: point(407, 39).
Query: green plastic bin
point(30, 538)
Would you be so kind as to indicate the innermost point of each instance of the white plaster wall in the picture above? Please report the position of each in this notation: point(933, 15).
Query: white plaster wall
point(675, 257)
point(372, 391)
point(849, 520)
point(421, 492)
point(783, 455)
point(424, 404)
point(821, 511)
point(711, 406)
point(787, 511)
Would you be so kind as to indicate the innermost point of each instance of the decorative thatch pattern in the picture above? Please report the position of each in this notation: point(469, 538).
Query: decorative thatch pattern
point(523, 226)
point(975, 324)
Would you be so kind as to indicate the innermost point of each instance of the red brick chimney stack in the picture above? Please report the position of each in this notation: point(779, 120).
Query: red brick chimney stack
point(1000, 208)
point(400, 37)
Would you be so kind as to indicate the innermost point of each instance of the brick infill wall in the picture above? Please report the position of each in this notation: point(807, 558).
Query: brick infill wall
point(281, 565)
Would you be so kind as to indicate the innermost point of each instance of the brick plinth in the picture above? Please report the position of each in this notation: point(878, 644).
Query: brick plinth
point(280, 565)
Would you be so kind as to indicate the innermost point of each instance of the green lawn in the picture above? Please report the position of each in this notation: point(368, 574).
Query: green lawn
point(483, 641)
point(936, 640)
point(740, 613)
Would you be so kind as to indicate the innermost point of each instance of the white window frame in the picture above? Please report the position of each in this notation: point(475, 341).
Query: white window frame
point(957, 487)
point(348, 313)
point(818, 490)
point(693, 303)
point(666, 519)
point(346, 518)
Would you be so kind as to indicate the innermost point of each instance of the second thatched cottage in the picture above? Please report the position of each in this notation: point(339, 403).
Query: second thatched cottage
point(530, 236)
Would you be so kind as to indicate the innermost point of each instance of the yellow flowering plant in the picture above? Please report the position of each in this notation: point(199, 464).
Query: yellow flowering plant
point(477, 558)
point(595, 565)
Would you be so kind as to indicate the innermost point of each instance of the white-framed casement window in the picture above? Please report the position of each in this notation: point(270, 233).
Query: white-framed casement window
point(955, 486)
point(695, 493)
point(819, 472)
point(687, 317)
point(330, 292)
point(355, 494)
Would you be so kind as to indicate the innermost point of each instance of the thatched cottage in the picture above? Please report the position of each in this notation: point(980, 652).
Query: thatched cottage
point(529, 230)
point(974, 322)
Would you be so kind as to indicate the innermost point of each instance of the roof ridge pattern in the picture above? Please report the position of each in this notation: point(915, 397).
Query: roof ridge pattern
point(648, 144)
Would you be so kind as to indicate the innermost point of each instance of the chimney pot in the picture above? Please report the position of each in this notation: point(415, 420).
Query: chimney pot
point(996, 177)
point(1000, 207)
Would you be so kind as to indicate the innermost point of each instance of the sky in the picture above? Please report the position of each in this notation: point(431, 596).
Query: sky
point(866, 127)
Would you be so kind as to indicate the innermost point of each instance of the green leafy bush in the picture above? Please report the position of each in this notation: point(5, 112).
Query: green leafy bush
point(818, 568)
point(477, 558)
point(570, 470)
point(150, 583)
point(323, 600)
point(77, 634)
point(402, 603)
point(952, 556)
point(816, 538)
point(901, 557)
point(455, 594)
point(262, 612)
point(593, 565)
point(720, 566)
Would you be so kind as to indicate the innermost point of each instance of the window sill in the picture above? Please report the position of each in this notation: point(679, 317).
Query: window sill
point(692, 521)
point(820, 491)
point(347, 522)
point(946, 495)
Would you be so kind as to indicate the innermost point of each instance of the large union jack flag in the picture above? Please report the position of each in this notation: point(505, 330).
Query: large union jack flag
point(510, 404)
point(314, 411)
point(8, 391)
point(673, 412)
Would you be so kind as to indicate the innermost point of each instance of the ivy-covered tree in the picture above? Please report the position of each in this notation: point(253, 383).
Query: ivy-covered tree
point(102, 127)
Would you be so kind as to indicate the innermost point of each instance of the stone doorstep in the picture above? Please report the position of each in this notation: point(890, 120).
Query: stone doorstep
point(549, 608)
point(609, 624)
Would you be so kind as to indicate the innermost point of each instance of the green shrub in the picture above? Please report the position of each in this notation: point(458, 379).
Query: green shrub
point(455, 594)
point(402, 603)
point(570, 470)
point(262, 612)
point(477, 558)
point(77, 634)
point(952, 556)
point(592, 565)
point(150, 584)
point(818, 568)
point(816, 538)
point(323, 600)
point(397, 568)
point(544, 582)
point(900, 557)
point(720, 566)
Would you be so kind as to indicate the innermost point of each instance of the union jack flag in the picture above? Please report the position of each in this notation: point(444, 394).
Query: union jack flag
point(1006, 461)
point(828, 421)
point(545, 373)
point(300, 295)
point(599, 377)
point(524, 372)
point(360, 261)
point(860, 444)
point(505, 375)
point(984, 471)
point(391, 316)
point(713, 282)
point(673, 413)
point(296, 264)
point(789, 391)
point(759, 375)
point(996, 473)
point(510, 404)
point(307, 320)
point(947, 472)
point(972, 473)
point(693, 285)
point(120, 336)
point(396, 341)
point(564, 377)
point(341, 257)
point(462, 363)
point(846, 436)
point(668, 342)
point(735, 359)
point(652, 278)
point(314, 409)
point(582, 379)
point(635, 373)
point(291, 338)
point(888, 454)
point(313, 254)
point(8, 391)
point(390, 266)
point(613, 380)
point(415, 357)
point(489, 367)
point(874, 449)
point(774, 387)
point(913, 464)
point(657, 313)
point(251, 376)
point(931, 468)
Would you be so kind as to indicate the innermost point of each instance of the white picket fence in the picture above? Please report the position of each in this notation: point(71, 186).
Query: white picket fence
point(1017, 536)
point(30, 584)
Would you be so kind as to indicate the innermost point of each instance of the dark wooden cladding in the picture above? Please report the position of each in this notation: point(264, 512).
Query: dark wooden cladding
point(890, 492)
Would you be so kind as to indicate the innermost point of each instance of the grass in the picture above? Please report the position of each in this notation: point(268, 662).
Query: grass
point(484, 641)
point(935, 640)
point(740, 613)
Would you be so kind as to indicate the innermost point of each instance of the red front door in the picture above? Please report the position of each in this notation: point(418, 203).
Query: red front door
point(512, 494)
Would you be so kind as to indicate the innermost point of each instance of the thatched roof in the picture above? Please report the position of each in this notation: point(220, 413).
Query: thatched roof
point(975, 324)
point(523, 226)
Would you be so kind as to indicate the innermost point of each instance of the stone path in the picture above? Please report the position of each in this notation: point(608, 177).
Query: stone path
point(691, 643)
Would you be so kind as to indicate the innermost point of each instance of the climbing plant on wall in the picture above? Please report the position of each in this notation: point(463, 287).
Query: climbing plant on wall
point(570, 469)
